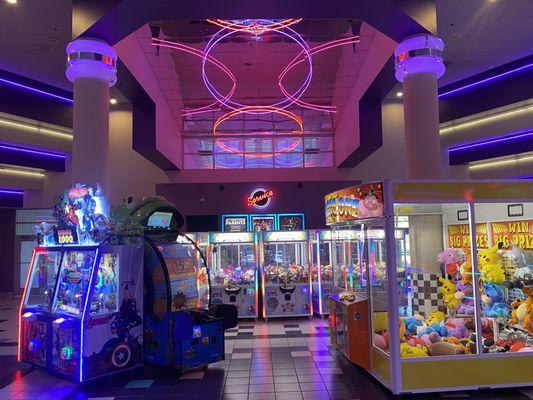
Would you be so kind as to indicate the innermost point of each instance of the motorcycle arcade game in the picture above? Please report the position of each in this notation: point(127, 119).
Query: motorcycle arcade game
point(79, 313)
point(178, 332)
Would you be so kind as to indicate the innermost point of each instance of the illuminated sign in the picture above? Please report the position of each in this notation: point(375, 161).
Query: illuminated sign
point(235, 223)
point(518, 232)
point(263, 222)
point(65, 236)
point(364, 201)
point(260, 198)
point(78, 192)
point(459, 236)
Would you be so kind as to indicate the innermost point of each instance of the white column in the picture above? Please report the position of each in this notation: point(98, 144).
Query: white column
point(92, 69)
point(418, 66)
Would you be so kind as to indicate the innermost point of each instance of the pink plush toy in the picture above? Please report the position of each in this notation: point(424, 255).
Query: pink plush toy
point(450, 259)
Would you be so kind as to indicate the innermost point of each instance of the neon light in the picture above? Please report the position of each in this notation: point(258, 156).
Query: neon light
point(22, 300)
point(5, 191)
point(39, 91)
point(484, 120)
point(89, 289)
point(34, 128)
point(483, 81)
point(502, 162)
point(260, 198)
point(319, 271)
point(491, 142)
point(27, 314)
point(59, 321)
point(26, 150)
point(254, 26)
point(21, 172)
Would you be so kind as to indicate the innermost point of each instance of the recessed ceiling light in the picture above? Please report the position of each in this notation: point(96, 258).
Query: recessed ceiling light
point(112, 101)
point(11, 1)
point(399, 94)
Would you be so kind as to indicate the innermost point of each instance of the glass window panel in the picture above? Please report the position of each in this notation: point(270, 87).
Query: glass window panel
point(74, 278)
point(233, 264)
point(193, 161)
point(43, 279)
point(319, 160)
point(504, 239)
point(228, 146)
point(105, 296)
point(196, 145)
point(436, 302)
point(286, 263)
point(257, 145)
point(259, 160)
point(288, 160)
point(286, 145)
point(229, 161)
point(321, 143)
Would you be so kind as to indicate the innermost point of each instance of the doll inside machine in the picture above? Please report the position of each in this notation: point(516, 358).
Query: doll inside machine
point(438, 288)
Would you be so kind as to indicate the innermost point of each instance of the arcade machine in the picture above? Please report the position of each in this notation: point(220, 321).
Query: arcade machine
point(79, 313)
point(234, 270)
point(320, 254)
point(177, 332)
point(285, 274)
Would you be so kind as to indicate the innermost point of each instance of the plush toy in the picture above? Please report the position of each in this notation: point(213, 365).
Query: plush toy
point(448, 291)
point(435, 316)
point(450, 260)
point(494, 301)
point(465, 270)
point(440, 347)
point(437, 327)
point(524, 311)
point(379, 341)
point(490, 264)
point(412, 323)
point(456, 327)
point(464, 295)
point(408, 351)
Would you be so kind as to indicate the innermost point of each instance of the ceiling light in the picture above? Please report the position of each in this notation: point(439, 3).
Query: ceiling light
point(501, 162)
point(399, 94)
point(13, 171)
point(11, 1)
point(34, 128)
point(113, 101)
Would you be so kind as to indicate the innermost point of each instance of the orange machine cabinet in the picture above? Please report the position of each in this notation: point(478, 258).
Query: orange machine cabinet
point(349, 327)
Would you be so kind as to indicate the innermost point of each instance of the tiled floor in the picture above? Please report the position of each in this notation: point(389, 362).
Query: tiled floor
point(278, 360)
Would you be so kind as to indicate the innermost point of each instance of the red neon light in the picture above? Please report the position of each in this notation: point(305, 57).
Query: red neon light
point(255, 198)
point(254, 27)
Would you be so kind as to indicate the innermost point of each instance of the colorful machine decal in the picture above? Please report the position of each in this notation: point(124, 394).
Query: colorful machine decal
point(363, 201)
point(459, 236)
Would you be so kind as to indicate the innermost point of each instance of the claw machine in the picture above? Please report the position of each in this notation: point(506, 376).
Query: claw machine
point(450, 306)
point(81, 309)
point(320, 257)
point(234, 271)
point(286, 280)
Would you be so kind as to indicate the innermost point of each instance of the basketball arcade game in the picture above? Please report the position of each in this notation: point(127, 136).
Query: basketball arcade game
point(79, 313)
point(179, 332)
point(234, 271)
point(285, 274)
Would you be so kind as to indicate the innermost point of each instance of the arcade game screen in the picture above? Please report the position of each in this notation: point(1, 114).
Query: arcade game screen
point(74, 278)
point(263, 223)
point(160, 219)
point(105, 299)
point(43, 279)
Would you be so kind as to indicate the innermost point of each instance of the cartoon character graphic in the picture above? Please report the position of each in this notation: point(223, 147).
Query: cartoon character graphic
point(370, 206)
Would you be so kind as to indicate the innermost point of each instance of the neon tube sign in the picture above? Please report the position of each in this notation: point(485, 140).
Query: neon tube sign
point(260, 198)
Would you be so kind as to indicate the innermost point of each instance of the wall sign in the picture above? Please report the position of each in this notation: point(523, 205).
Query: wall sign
point(260, 198)
point(459, 236)
point(363, 201)
point(263, 222)
point(235, 223)
point(517, 232)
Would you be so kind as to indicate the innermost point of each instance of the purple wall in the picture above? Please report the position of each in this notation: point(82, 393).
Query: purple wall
point(219, 198)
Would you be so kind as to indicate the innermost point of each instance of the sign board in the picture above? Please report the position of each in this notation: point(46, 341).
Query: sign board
point(363, 201)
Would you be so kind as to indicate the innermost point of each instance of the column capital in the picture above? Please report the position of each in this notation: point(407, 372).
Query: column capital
point(419, 53)
point(91, 58)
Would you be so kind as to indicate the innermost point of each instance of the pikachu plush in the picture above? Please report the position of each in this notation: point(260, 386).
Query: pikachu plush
point(490, 265)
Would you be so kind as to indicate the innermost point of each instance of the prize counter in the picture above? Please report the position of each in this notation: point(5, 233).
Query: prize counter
point(452, 266)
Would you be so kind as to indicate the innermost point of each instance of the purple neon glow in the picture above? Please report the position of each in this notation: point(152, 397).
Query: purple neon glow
point(6, 191)
point(481, 82)
point(39, 91)
point(25, 150)
point(517, 136)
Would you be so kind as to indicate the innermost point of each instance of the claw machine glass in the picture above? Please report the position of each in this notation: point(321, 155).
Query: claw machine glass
point(320, 256)
point(452, 311)
point(234, 270)
point(286, 280)
point(79, 315)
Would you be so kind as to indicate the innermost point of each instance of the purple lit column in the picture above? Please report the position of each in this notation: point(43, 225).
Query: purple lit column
point(92, 69)
point(418, 66)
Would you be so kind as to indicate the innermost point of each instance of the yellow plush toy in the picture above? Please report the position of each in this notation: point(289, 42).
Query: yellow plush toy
point(435, 316)
point(490, 265)
point(407, 351)
point(448, 291)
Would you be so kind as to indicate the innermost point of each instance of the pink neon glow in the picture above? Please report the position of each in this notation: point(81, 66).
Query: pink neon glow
point(255, 26)
point(259, 110)
point(212, 60)
point(296, 61)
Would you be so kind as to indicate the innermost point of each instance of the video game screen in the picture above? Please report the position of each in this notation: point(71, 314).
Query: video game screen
point(74, 277)
point(160, 219)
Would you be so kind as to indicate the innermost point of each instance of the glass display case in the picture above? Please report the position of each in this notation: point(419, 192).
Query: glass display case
point(285, 274)
point(320, 257)
point(234, 268)
point(449, 301)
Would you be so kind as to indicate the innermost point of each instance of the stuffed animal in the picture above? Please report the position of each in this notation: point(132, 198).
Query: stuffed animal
point(450, 259)
point(524, 312)
point(465, 295)
point(437, 327)
point(494, 300)
point(408, 351)
point(435, 316)
point(448, 291)
point(514, 312)
point(412, 323)
point(457, 328)
point(465, 270)
point(379, 341)
point(490, 264)
point(440, 347)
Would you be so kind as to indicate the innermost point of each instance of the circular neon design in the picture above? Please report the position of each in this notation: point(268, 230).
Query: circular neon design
point(255, 26)
point(234, 105)
point(260, 198)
